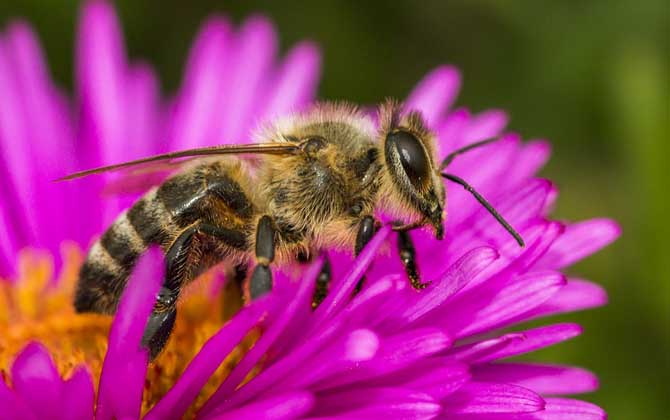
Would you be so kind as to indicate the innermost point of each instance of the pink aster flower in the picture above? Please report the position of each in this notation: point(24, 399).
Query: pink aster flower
point(390, 351)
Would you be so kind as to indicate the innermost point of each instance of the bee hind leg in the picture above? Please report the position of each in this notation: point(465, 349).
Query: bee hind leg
point(177, 274)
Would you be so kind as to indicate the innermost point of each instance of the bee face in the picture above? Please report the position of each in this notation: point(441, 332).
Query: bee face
point(410, 165)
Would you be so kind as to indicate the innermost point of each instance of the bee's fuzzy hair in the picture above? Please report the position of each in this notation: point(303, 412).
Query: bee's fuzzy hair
point(280, 129)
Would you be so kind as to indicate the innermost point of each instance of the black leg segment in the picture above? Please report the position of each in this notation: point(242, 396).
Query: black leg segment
point(366, 230)
point(177, 274)
point(261, 279)
point(408, 258)
point(322, 284)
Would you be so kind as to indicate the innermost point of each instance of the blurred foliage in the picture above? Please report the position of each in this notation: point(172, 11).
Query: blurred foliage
point(592, 76)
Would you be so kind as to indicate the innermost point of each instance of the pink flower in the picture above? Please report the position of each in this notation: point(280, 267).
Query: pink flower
point(390, 351)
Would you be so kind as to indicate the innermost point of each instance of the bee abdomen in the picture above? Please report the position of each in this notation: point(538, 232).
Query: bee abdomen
point(104, 274)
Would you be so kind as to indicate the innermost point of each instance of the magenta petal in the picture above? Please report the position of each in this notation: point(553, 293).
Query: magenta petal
point(12, 405)
point(395, 402)
point(199, 102)
point(101, 66)
point(395, 353)
point(295, 83)
point(454, 278)
point(576, 295)
point(255, 48)
point(544, 379)
point(211, 355)
point(280, 407)
point(492, 398)
point(34, 369)
point(268, 338)
point(124, 368)
point(486, 125)
point(78, 396)
point(340, 296)
point(534, 339)
point(521, 296)
point(435, 93)
point(579, 241)
point(563, 408)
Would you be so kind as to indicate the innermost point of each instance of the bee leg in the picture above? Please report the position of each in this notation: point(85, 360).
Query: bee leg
point(233, 296)
point(366, 230)
point(322, 284)
point(177, 273)
point(161, 321)
point(261, 279)
point(408, 258)
point(322, 281)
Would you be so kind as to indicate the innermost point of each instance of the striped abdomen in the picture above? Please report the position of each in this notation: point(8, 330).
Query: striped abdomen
point(111, 259)
point(210, 194)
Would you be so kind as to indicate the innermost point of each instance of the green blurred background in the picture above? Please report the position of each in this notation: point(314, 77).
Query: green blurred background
point(591, 76)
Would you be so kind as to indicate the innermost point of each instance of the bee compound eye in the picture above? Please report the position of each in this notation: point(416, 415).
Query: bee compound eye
point(412, 156)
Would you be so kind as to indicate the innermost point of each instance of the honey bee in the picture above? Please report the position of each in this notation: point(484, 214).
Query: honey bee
point(319, 179)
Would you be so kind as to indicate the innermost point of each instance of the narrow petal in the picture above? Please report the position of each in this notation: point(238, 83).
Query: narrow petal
point(255, 49)
point(269, 336)
point(526, 292)
point(282, 367)
point(486, 125)
point(437, 376)
point(579, 241)
point(12, 405)
point(563, 408)
point(204, 364)
point(34, 369)
point(492, 398)
point(101, 66)
point(529, 160)
point(543, 379)
point(395, 353)
point(295, 83)
point(451, 131)
point(124, 368)
point(435, 93)
point(78, 396)
point(337, 298)
point(456, 276)
point(576, 295)
point(281, 407)
point(533, 339)
point(394, 402)
point(198, 106)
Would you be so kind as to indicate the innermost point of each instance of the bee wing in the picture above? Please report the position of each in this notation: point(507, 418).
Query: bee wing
point(168, 161)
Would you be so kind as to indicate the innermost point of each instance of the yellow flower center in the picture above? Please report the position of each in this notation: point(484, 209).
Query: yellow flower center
point(35, 307)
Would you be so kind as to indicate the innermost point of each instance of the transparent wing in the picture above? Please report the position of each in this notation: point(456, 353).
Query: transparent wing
point(171, 161)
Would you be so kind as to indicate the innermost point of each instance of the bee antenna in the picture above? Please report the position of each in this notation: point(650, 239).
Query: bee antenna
point(487, 206)
point(447, 160)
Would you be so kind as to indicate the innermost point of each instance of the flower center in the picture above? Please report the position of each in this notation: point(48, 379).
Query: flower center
point(37, 307)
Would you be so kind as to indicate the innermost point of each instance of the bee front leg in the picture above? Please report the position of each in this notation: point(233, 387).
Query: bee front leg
point(261, 279)
point(408, 258)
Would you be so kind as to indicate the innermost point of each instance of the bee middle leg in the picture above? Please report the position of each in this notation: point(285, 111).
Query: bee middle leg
point(177, 274)
point(261, 279)
point(366, 230)
point(322, 280)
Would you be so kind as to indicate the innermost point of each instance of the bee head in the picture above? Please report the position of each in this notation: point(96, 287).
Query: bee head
point(415, 189)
